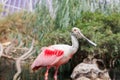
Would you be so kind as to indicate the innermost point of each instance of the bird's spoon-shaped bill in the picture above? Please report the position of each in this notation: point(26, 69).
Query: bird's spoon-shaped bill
point(88, 39)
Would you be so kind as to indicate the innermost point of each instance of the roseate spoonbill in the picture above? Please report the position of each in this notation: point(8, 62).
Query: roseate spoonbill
point(58, 54)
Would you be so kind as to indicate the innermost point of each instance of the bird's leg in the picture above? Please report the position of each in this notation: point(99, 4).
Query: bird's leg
point(46, 73)
point(55, 75)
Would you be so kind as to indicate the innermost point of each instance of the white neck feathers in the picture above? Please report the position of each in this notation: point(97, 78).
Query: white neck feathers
point(75, 43)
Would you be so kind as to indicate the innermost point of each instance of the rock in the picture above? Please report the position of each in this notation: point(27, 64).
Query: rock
point(89, 70)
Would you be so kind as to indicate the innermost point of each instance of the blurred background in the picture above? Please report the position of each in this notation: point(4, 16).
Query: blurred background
point(50, 22)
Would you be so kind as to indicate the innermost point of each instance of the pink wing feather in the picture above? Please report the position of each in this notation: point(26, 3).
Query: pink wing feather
point(47, 57)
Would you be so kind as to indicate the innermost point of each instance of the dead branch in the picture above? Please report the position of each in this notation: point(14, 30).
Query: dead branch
point(8, 57)
point(18, 66)
point(21, 44)
point(21, 58)
point(6, 51)
point(11, 46)
point(1, 49)
point(27, 53)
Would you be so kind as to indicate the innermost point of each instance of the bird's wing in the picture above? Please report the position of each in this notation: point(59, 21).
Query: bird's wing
point(54, 55)
point(48, 56)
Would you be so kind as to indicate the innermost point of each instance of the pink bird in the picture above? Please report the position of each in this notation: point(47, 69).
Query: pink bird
point(58, 54)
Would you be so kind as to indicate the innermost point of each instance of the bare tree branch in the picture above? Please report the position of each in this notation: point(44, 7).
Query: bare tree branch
point(18, 66)
point(11, 48)
point(25, 55)
point(1, 49)
point(29, 55)
point(21, 44)
point(21, 58)
point(9, 57)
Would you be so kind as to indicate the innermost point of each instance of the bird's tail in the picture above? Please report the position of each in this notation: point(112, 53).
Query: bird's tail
point(34, 66)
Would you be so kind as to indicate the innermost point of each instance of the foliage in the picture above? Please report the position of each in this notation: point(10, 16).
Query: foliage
point(104, 31)
point(63, 13)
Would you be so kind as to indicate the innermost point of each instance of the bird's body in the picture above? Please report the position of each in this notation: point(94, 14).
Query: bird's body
point(56, 55)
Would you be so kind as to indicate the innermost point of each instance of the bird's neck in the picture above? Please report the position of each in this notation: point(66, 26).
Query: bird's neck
point(75, 43)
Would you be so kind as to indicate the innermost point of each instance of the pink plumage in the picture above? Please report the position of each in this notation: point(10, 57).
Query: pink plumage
point(56, 55)
point(47, 57)
point(55, 52)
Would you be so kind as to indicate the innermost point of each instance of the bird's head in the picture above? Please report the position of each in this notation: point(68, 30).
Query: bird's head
point(76, 31)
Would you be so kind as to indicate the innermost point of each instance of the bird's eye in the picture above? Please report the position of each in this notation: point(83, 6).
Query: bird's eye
point(75, 30)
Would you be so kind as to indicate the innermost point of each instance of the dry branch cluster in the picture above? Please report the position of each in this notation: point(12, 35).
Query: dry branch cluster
point(18, 53)
point(89, 70)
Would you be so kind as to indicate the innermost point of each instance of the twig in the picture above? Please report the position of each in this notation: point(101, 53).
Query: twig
point(9, 57)
point(21, 44)
point(29, 55)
